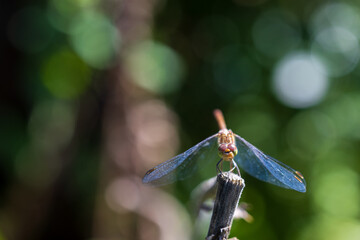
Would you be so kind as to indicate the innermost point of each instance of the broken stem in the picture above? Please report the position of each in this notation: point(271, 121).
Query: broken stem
point(228, 194)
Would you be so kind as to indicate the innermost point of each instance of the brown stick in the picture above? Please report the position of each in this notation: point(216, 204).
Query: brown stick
point(228, 194)
point(220, 118)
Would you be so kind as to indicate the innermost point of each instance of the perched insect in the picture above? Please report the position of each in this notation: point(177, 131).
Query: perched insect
point(231, 148)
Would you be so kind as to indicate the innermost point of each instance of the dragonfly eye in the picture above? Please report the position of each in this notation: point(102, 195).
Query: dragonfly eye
point(232, 147)
point(222, 148)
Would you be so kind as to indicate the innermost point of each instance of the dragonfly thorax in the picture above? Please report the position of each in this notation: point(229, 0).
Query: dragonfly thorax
point(227, 148)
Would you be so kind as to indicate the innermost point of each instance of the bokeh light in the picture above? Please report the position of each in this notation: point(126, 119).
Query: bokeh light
point(337, 185)
point(65, 75)
point(330, 228)
point(338, 48)
point(155, 67)
point(29, 168)
point(154, 128)
point(336, 14)
point(345, 113)
point(309, 132)
point(275, 33)
point(300, 81)
point(119, 201)
point(335, 30)
point(61, 13)
point(128, 194)
point(235, 73)
point(51, 120)
point(95, 39)
point(50, 128)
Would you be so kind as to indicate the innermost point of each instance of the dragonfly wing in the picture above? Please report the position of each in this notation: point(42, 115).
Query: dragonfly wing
point(266, 168)
point(182, 165)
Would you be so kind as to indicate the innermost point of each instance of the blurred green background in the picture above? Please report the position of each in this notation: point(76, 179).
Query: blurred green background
point(94, 93)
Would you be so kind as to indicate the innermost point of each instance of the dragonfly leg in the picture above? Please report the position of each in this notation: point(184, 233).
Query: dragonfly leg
point(236, 166)
point(232, 162)
point(217, 166)
point(232, 168)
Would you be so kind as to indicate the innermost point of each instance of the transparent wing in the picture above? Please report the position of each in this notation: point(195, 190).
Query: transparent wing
point(266, 168)
point(184, 164)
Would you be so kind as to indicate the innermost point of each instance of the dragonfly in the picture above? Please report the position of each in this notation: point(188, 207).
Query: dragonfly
point(231, 148)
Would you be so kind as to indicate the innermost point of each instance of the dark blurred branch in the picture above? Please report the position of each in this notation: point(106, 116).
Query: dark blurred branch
point(228, 194)
point(204, 191)
point(133, 19)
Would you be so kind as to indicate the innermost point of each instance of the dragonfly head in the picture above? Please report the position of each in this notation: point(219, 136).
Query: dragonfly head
point(227, 151)
point(227, 148)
